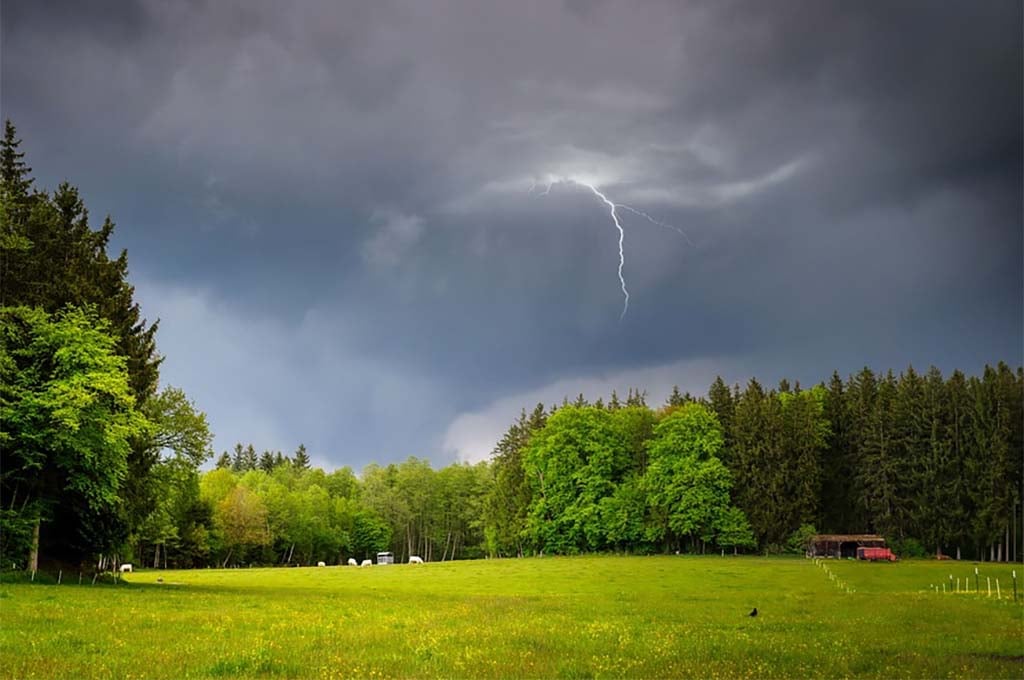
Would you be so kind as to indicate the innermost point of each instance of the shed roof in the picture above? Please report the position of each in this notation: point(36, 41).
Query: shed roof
point(843, 538)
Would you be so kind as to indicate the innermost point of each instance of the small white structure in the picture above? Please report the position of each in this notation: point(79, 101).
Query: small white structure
point(415, 559)
point(352, 562)
point(367, 563)
point(321, 564)
point(126, 568)
point(385, 558)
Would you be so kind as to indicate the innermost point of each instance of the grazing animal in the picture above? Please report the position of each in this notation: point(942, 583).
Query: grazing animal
point(415, 559)
point(321, 564)
point(753, 613)
point(367, 563)
point(352, 562)
point(126, 568)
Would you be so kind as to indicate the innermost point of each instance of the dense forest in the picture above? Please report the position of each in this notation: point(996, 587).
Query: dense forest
point(98, 463)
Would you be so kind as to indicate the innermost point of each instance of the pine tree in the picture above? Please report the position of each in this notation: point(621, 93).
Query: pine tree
point(721, 401)
point(804, 438)
point(301, 459)
point(250, 461)
point(238, 460)
point(267, 461)
point(750, 459)
point(636, 398)
point(676, 398)
point(224, 462)
point(880, 468)
point(838, 463)
point(14, 172)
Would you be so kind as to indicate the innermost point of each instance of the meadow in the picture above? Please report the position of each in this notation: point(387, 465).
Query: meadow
point(665, 616)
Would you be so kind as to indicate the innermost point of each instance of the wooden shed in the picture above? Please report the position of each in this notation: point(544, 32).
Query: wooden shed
point(842, 545)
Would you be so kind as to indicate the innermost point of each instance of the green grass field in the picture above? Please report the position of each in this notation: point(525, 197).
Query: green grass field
point(650, 617)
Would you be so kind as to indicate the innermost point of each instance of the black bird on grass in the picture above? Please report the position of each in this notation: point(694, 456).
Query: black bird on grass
point(753, 613)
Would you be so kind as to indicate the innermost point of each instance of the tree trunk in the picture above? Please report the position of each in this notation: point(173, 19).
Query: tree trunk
point(958, 552)
point(156, 556)
point(224, 566)
point(33, 553)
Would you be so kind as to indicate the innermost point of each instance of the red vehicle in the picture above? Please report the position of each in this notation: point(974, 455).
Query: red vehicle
point(875, 554)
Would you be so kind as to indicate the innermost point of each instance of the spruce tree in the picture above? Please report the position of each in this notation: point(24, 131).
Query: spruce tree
point(238, 460)
point(301, 459)
point(613, 402)
point(267, 461)
point(14, 172)
point(721, 401)
point(838, 463)
point(250, 461)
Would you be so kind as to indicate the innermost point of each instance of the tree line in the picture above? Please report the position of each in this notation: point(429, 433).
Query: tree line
point(934, 464)
point(88, 441)
point(96, 459)
point(930, 462)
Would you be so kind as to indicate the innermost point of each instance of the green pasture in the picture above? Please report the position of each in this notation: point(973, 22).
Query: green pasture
point(649, 617)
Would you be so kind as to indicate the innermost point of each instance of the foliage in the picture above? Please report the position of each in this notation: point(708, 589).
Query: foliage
point(908, 547)
point(800, 539)
point(68, 418)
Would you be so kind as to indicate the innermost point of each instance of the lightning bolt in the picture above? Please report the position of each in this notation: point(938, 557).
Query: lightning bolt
point(612, 210)
point(650, 219)
point(622, 237)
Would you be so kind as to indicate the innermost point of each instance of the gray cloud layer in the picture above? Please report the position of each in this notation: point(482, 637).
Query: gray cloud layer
point(329, 206)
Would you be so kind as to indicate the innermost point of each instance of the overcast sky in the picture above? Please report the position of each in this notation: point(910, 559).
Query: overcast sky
point(329, 205)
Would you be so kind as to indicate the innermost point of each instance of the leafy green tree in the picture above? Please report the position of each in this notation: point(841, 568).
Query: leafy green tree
point(370, 535)
point(571, 464)
point(624, 515)
point(636, 425)
point(241, 517)
point(733, 530)
point(68, 417)
point(687, 485)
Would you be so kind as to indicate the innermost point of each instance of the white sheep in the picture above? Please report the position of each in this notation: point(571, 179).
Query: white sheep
point(352, 562)
point(126, 568)
point(367, 563)
point(321, 564)
point(415, 559)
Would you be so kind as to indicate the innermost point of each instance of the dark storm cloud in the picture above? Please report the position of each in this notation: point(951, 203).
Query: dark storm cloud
point(329, 204)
